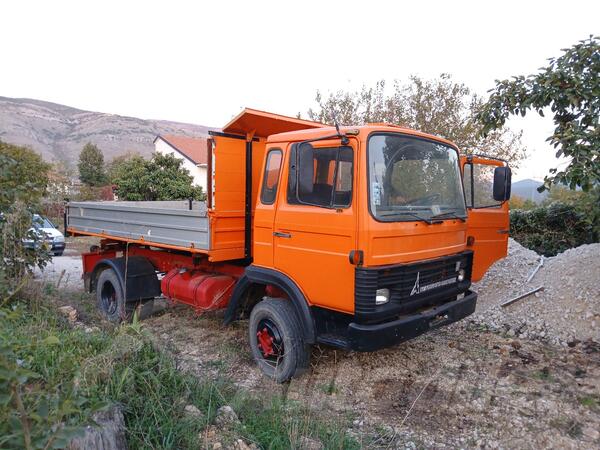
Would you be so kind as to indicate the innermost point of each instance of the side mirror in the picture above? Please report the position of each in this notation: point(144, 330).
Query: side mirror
point(306, 168)
point(502, 183)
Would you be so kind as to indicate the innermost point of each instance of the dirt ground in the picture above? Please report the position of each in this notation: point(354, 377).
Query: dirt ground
point(462, 386)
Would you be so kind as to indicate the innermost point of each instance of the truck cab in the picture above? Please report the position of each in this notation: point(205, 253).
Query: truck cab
point(372, 227)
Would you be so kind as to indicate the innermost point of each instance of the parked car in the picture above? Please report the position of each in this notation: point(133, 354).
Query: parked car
point(54, 238)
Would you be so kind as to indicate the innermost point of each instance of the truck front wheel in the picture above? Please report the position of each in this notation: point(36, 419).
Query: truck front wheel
point(276, 339)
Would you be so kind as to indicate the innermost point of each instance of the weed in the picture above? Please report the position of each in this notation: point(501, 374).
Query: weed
point(589, 401)
point(543, 374)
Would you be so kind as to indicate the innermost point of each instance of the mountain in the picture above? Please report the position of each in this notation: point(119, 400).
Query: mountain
point(527, 190)
point(59, 132)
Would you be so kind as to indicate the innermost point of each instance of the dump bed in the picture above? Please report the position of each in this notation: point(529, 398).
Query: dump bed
point(221, 228)
point(178, 224)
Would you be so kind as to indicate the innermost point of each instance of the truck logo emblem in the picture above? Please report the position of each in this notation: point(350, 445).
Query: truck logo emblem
point(416, 288)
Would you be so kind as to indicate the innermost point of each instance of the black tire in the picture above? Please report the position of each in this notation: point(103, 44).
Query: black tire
point(110, 299)
point(284, 354)
point(58, 253)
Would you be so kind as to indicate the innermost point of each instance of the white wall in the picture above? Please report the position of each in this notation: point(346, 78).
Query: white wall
point(199, 173)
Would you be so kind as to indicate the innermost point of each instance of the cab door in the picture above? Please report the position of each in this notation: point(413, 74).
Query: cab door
point(315, 223)
point(488, 222)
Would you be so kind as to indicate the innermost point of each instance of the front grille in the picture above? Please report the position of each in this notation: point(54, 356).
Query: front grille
point(401, 281)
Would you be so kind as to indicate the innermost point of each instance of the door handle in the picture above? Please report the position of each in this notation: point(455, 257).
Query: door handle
point(503, 231)
point(282, 235)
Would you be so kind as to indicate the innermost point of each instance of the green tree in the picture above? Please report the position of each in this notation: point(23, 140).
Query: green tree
point(23, 175)
point(440, 106)
point(161, 178)
point(91, 165)
point(570, 87)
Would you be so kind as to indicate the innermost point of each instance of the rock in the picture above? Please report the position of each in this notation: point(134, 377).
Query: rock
point(108, 435)
point(69, 312)
point(226, 416)
point(217, 446)
point(240, 444)
point(591, 433)
point(192, 411)
point(306, 443)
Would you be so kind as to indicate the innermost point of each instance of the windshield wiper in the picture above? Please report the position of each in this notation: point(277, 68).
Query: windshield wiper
point(450, 215)
point(416, 216)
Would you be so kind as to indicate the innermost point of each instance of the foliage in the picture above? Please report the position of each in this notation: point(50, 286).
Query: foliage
point(587, 203)
point(570, 87)
point(441, 107)
point(21, 249)
point(161, 178)
point(550, 230)
point(517, 202)
point(41, 402)
point(91, 166)
point(23, 175)
point(66, 374)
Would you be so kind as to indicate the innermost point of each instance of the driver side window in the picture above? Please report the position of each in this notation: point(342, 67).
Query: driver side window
point(330, 178)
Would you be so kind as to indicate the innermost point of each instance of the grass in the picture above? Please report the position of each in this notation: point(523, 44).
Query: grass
point(74, 373)
point(589, 401)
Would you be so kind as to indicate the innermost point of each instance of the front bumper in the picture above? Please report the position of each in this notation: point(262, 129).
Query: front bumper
point(370, 337)
point(58, 246)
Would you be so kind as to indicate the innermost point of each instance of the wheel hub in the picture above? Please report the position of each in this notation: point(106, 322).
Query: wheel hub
point(109, 297)
point(269, 340)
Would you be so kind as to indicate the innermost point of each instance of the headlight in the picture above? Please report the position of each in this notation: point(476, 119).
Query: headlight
point(382, 296)
point(461, 275)
point(59, 239)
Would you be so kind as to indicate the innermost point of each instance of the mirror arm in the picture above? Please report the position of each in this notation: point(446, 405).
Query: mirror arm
point(343, 137)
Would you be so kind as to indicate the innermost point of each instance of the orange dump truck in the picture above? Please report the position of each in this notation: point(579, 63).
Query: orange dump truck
point(355, 237)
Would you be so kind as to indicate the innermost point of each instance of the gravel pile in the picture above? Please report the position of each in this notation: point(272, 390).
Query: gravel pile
point(566, 311)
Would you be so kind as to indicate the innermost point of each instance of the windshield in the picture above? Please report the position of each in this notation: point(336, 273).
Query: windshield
point(41, 222)
point(413, 179)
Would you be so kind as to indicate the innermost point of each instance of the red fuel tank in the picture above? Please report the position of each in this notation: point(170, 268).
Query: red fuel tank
point(203, 291)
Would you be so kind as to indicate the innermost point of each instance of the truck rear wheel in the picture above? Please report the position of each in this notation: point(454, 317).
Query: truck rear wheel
point(110, 299)
point(276, 339)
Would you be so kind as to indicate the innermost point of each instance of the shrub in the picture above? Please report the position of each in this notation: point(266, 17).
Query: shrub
point(550, 230)
point(17, 260)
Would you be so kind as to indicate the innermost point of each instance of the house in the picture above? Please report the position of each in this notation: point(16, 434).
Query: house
point(193, 152)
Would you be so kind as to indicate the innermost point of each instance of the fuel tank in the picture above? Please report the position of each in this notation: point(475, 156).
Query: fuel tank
point(201, 290)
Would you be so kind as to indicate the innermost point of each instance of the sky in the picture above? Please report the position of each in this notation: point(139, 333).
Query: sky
point(202, 62)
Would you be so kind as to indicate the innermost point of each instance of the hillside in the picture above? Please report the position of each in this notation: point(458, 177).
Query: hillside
point(527, 190)
point(59, 132)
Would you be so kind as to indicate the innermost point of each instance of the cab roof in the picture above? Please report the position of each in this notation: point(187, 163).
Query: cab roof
point(363, 131)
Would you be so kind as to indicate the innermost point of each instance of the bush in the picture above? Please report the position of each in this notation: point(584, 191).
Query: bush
point(18, 260)
point(550, 230)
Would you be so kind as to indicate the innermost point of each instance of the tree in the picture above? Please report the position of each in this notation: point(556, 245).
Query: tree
point(161, 178)
point(441, 107)
point(517, 202)
point(23, 175)
point(570, 87)
point(91, 166)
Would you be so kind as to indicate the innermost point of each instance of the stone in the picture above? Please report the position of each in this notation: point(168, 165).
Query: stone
point(306, 443)
point(240, 444)
point(591, 433)
point(69, 312)
point(226, 416)
point(192, 411)
point(108, 435)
